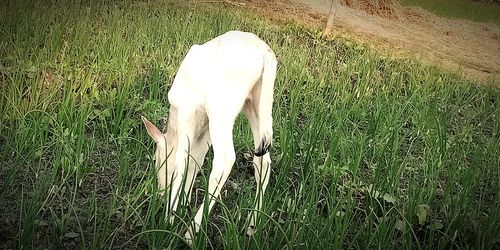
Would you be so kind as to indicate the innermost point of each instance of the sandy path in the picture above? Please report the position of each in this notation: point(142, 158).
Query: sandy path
point(469, 46)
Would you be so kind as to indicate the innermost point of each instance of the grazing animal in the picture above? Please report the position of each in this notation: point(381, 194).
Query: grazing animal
point(233, 72)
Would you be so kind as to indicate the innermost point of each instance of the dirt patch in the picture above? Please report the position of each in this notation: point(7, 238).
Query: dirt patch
point(455, 44)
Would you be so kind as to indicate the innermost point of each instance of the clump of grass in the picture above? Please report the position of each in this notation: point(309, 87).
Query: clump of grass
point(480, 11)
point(369, 152)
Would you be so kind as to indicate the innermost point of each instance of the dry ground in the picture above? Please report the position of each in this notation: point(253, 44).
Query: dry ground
point(456, 44)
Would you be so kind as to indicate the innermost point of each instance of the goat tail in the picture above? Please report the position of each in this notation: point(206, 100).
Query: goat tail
point(266, 103)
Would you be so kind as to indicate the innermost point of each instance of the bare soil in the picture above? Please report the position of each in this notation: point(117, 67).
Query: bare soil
point(455, 44)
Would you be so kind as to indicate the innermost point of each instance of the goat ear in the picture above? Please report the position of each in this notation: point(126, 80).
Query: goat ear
point(153, 131)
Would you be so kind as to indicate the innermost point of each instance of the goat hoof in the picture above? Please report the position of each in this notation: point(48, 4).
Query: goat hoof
point(250, 231)
point(169, 218)
point(188, 238)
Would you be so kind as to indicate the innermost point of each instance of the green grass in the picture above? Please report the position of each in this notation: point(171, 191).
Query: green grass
point(480, 11)
point(369, 152)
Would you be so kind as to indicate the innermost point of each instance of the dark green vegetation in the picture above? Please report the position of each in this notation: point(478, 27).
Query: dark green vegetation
point(369, 152)
point(481, 11)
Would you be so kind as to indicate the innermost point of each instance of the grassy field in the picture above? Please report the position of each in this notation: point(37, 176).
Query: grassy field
point(369, 152)
point(481, 11)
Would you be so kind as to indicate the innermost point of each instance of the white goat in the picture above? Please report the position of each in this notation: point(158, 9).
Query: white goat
point(231, 73)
